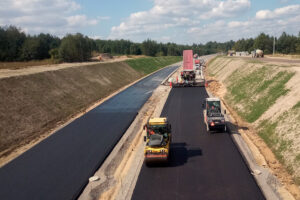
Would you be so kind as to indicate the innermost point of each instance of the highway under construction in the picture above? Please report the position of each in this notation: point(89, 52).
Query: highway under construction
point(201, 165)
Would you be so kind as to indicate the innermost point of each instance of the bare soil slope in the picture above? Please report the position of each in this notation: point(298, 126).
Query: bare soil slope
point(33, 104)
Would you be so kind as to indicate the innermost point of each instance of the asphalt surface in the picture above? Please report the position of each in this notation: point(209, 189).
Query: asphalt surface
point(59, 166)
point(202, 165)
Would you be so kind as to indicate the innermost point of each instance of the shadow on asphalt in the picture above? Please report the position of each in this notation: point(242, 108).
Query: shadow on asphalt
point(179, 155)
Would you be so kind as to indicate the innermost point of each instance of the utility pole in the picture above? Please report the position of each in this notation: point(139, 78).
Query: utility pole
point(274, 46)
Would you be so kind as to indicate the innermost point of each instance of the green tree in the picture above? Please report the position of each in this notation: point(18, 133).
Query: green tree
point(38, 47)
point(287, 43)
point(31, 49)
point(11, 41)
point(135, 49)
point(298, 44)
point(75, 48)
point(149, 47)
point(54, 53)
point(264, 42)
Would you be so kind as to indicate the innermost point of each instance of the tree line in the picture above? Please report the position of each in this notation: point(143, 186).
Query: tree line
point(285, 44)
point(15, 45)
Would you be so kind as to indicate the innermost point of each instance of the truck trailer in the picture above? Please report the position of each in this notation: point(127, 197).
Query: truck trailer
point(190, 76)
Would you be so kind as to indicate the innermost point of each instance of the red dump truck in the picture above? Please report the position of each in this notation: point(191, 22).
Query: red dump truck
point(188, 64)
point(189, 76)
point(197, 64)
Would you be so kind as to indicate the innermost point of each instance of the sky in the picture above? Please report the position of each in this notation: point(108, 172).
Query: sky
point(179, 21)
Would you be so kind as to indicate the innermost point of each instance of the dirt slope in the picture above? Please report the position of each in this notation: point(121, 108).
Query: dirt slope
point(33, 104)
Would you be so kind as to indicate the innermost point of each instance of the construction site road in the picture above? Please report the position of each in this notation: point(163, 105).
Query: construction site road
point(202, 165)
point(59, 167)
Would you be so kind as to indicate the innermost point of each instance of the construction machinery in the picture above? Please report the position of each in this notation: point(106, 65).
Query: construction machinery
point(213, 116)
point(197, 64)
point(257, 53)
point(190, 75)
point(158, 139)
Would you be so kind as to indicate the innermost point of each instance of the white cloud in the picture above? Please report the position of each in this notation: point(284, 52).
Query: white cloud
point(49, 16)
point(171, 14)
point(279, 12)
point(271, 22)
point(96, 37)
point(194, 21)
point(80, 20)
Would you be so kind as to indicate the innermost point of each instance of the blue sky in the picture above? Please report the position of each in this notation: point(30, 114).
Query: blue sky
point(180, 21)
point(116, 10)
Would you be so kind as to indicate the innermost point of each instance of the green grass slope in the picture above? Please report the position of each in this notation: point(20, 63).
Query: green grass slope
point(148, 65)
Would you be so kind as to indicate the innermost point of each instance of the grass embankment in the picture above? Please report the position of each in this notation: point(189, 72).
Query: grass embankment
point(33, 104)
point(148, 65)
point(256, 91)
point(253, 88)
point(279, 134)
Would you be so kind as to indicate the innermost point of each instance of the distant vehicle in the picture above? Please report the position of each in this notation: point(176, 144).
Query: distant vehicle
point(190, 76)
point(197, 64)
point(196, 55)
point(257, 53)
point(213, 116)
point(158, 140)
point(231, 52)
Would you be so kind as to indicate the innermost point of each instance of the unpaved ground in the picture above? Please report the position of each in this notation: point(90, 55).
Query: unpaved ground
point(8, 72)
point(271, 59)
point(58, 96)
point(284, 56)
point(262, 153)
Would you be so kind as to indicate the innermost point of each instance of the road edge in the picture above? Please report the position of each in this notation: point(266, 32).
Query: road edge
point(22, 149)
point(107, 186)
point(264, 179)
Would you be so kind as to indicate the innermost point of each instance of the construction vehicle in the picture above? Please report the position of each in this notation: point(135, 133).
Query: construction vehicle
point(213, 116)
point(257, 53)
point(190, 76)
point(197, 64)
point(158, 139)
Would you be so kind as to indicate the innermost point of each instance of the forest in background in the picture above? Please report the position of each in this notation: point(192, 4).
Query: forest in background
point(15, 45)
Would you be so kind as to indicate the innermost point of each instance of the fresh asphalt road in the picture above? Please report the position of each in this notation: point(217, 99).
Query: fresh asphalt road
point(202, 165)
point(59, 166)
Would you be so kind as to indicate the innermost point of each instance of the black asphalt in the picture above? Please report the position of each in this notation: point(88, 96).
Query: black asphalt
point(202, 166)
point(59, 167)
